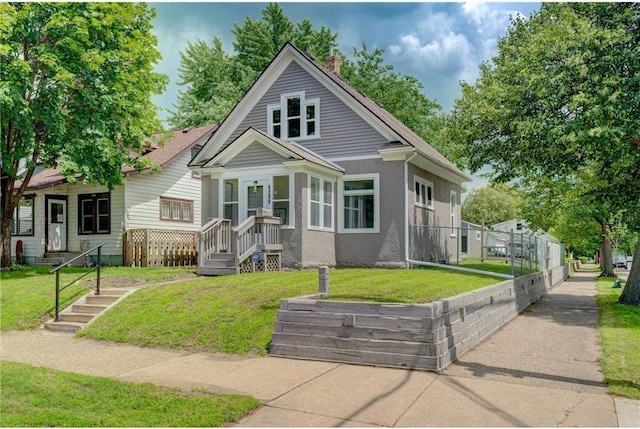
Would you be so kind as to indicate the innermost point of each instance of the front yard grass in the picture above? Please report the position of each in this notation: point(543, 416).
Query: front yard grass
point(27, 297)
point(41, 397)
point(236, 314)
point(619, 327)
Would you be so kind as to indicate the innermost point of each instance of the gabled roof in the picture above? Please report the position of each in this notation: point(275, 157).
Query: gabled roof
point(402, 134)
point(292, 150)
point(163, 154)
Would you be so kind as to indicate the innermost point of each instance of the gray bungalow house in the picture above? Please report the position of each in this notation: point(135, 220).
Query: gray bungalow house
point(343, 177)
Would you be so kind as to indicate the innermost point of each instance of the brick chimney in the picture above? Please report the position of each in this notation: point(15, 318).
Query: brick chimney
point(332, 62)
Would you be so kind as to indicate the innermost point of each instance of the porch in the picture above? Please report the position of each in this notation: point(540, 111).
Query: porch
point(254, 245)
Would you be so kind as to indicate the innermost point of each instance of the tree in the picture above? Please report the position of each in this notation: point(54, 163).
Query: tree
point(399, 94)
point(561, 102)
point(215, 81)
point(492, 204)
point(76, 81)
point(257, 42)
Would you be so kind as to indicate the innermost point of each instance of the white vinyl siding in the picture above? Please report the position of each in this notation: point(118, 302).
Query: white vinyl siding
point(175, 182)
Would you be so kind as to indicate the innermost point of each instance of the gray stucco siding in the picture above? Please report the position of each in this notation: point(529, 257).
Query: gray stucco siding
point(343, 133)
point(441, 244)
point(292, 238)
point(255, 155)
point(386, 248)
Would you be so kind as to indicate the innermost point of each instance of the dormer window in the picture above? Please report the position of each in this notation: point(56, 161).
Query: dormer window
point(294, 117)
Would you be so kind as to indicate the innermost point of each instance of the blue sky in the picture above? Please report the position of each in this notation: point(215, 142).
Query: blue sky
point(438, 43)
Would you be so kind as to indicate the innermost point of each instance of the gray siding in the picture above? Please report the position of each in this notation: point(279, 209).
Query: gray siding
point(442, 246)
point(255, 155)
point(343, 133)
point(292, 238)
point(385, 249)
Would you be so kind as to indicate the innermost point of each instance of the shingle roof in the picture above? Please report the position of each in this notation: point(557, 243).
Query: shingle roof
point(391, 121)
point(174, 146)
point(163, 154)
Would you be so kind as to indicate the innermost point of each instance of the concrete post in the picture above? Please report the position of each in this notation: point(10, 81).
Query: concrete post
point(323, 281)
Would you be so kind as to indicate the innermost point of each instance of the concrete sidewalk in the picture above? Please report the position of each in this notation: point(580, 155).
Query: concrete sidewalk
point(539, 370)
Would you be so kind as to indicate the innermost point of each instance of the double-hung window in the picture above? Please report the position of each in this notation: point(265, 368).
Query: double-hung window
point(230, 200)
point(423, 193)
point(295, 117)
point(320, 204)
point(282, 200)
point(360, 203)
point(23, 216)
point(454, 214)
point(94, 213)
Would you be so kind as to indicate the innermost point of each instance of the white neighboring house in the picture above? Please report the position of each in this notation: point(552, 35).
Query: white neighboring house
point(56, 217)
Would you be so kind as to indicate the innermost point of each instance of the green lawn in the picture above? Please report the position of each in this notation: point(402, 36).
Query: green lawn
point(619, 327)
point(498, 266)
point(236, 314)
point(27, 297)
point(41, 397)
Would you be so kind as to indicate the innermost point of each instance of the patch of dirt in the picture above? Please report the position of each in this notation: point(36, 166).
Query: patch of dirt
point(115, 281)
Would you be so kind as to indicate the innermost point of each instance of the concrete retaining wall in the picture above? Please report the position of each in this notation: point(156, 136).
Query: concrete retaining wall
point(422, 336)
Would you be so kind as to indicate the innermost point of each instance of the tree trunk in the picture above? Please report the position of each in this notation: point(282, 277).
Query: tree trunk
point(631, 293)
point(5, 249)
point(606, 257)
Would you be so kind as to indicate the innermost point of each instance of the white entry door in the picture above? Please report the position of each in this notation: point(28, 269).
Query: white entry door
point(57, 225)
point(256, 196)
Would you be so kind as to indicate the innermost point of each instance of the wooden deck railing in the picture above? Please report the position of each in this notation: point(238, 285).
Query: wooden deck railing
point(157, 247)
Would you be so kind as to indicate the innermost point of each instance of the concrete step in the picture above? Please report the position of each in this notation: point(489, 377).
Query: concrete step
point(216, 271)
point(76, 317)
point(88, 308)
point(63, 326)
point(48, 262)
point(102, 299)
point(113, 291)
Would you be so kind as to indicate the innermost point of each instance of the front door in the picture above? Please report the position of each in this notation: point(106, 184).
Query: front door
point(257, 196)
point(56, 225)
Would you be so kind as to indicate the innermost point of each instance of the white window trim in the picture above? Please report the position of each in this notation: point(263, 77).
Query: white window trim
point(321, 203)
point(284, 124)
point(453, 212)
point(291, 199)
point(427, 184)
point(376, 203)
point(264, 173)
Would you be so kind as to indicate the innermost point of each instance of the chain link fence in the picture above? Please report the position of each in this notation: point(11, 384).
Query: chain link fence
point(478, 249)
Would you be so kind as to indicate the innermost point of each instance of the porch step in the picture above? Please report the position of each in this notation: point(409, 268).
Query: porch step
point(57, 258)
point(48, 262)
point(85, 310)
point(218, 264)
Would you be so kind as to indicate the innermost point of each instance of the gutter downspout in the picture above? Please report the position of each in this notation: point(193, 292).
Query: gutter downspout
point(406, 205)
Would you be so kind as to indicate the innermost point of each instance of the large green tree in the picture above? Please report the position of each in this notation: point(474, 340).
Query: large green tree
point(399, 94)
point(214, 81)
point(561, 102)
point(492, 204)
point(76, 81)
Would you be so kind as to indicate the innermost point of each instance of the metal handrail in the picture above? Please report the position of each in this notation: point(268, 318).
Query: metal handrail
point(91, 269)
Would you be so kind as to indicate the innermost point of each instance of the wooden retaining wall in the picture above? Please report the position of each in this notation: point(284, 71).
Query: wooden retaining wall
point(421, 336)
